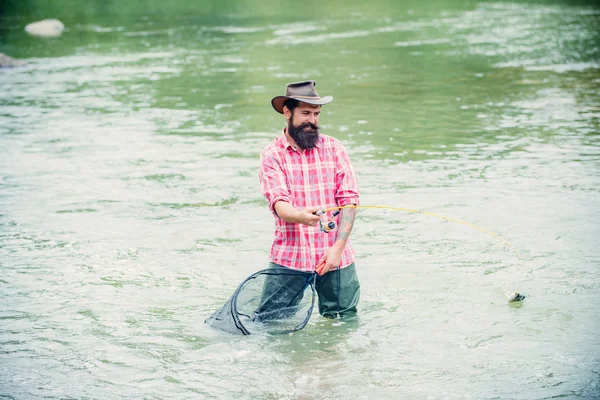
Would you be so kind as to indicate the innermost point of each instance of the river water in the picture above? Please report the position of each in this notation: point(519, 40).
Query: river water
point(130, 207)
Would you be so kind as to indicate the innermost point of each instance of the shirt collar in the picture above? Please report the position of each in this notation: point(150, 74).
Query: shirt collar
point(287, 144)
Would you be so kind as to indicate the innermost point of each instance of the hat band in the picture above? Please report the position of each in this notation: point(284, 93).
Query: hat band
point(306, 97)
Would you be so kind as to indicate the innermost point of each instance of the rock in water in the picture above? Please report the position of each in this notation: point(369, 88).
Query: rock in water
point(515, 296)
point(7, 62)
point(45, 28)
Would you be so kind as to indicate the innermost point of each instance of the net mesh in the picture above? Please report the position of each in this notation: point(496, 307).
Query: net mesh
point(274, 300)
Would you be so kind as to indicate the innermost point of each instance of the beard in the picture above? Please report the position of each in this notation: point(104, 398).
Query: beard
point(305, 135)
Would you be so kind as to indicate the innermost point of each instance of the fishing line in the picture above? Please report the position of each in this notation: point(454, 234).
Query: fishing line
point(409, 210)
point(330, 225)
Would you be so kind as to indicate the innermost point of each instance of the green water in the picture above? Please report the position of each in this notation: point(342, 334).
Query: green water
point(130, 206)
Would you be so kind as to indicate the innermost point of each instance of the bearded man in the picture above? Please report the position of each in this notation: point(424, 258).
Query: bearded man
point(301, 172)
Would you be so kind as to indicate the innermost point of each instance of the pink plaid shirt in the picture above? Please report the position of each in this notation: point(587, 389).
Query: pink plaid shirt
point(318, 177)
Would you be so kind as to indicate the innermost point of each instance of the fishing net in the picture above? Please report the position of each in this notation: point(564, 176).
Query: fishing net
point(274, 300)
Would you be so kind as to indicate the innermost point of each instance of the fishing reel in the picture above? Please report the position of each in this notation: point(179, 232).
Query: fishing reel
point(330, 224)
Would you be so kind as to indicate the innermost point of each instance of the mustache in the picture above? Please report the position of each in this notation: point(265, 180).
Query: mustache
point(308, 125)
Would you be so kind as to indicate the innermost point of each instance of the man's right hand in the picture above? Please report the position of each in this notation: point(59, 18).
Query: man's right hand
point(309, 217)
point(289, 214)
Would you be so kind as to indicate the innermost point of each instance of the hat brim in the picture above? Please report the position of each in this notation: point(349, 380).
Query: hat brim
point(278, 101)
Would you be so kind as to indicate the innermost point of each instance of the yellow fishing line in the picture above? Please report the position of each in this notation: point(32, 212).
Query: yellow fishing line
point(409, 210)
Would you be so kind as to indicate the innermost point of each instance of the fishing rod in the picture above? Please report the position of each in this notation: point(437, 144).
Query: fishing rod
point(330, 225)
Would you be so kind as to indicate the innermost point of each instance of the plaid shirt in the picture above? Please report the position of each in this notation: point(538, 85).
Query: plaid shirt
point(318, 177)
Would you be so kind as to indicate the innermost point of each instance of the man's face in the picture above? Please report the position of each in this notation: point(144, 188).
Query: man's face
point(303, 124)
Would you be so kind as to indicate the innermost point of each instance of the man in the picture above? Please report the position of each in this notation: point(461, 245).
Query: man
point(301, 172)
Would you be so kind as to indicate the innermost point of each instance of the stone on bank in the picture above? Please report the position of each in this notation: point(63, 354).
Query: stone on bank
point(45, 28)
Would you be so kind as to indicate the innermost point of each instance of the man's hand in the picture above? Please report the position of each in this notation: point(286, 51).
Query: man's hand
point(288, 213)
point(331, 259)
point(308, 216)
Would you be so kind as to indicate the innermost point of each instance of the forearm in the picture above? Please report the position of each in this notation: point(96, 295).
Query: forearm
point(345, 224)
point(287, 212)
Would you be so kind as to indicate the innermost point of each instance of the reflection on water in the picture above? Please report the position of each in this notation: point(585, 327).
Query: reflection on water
point(130, 207)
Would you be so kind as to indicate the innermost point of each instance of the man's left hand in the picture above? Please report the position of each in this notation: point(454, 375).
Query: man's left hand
point(332, 259)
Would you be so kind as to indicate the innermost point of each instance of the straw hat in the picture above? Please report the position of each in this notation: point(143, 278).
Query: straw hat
point(301, 91)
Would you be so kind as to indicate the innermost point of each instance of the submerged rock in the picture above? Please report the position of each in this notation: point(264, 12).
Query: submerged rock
point(515, 296)
point(45, 28)
point(8, 62)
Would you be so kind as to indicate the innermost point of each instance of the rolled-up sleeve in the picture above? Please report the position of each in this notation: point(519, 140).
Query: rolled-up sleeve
point(272, 181)
point(345, 180)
